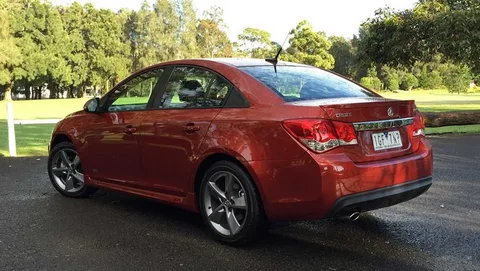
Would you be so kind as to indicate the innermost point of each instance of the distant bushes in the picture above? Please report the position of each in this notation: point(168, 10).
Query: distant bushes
point(371, 82)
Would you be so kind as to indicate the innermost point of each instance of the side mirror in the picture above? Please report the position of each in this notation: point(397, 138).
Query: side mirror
point(92, 105)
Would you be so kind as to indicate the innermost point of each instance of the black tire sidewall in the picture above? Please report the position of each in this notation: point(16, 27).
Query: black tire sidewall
point(255, 219)
point(85, 191)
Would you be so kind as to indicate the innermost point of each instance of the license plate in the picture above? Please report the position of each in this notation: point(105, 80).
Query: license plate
point(386, 140)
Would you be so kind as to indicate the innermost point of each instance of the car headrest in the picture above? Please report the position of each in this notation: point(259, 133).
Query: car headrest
point(191, 90)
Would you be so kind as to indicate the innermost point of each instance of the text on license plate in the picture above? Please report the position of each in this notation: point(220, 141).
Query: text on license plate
point(386, 140)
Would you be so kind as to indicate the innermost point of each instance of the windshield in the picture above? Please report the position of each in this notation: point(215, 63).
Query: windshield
point(297, 83)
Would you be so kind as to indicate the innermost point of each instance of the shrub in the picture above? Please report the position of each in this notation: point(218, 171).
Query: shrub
point(409, 81)
point(457, 79)
point(393, 82)
point(371, 83)
point(430, 80)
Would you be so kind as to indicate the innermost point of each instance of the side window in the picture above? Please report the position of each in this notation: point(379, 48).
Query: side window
point(190, 87)
point(135, 93)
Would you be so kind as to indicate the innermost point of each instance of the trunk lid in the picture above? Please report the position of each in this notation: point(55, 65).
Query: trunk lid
point(372, 117)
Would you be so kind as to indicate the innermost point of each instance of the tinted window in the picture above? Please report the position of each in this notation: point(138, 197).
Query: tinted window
point(135, 93)
point(295, 83)
point(190, 87)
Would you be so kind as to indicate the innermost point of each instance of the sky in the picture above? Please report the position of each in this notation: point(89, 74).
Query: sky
point(335, 17)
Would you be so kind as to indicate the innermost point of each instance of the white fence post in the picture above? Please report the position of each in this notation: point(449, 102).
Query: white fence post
point(12, 145)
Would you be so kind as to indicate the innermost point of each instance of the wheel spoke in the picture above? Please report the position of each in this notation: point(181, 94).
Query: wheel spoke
point(69, 183)
point(59, 172)
point(233, 224)
point(217, 214)
point(78, 176)
point(76, 161)
point(64, 157)
point(239, 203)
point(215, 189)
point(229, 181)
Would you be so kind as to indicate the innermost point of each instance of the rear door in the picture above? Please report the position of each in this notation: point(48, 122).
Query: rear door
point(174, 130)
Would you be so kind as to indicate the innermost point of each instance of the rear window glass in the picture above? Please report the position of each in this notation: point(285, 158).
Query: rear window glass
point(295, 83)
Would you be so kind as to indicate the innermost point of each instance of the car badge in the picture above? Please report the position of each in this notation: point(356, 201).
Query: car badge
point(390, 112)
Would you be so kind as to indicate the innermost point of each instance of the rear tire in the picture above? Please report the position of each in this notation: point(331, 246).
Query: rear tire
point(230, 204)
point(66, 173)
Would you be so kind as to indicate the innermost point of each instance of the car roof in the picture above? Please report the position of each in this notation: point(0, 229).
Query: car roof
point(248, 62)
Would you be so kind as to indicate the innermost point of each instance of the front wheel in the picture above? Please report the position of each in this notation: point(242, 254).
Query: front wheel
point(230, 204)
point(66, 173)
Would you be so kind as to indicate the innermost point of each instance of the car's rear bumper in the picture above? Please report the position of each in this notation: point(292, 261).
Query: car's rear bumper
point(379, 198)
point(310, 187)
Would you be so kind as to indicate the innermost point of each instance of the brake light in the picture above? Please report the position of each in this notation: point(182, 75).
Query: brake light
point(321, 135)
point(418, 124)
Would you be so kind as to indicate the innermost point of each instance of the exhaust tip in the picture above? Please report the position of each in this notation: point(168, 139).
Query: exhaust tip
point(354, 216)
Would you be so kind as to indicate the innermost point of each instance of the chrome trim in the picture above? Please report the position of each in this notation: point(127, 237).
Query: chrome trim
point(382, 124)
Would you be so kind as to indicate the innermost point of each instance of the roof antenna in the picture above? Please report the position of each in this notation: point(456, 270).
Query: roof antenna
point(274, 60)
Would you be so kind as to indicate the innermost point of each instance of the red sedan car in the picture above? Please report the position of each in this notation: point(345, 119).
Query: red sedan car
point(244, 143)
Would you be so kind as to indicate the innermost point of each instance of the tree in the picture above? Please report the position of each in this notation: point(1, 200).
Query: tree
point(457, 78)
point(309, 47)
point(73, 18)
point(106, 55)
point(163, 29)
point(390, 77)
point(449, 27)
point(9, 52)
point(211, 36)
point(29, 28)
point(343, 52)
point(187, 29)
point(256, 43)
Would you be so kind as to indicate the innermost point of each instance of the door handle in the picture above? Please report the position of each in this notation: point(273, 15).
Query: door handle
point(190, 128)
point(130, 130)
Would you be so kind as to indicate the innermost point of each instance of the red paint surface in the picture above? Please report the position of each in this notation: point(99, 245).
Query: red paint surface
point(160, 160)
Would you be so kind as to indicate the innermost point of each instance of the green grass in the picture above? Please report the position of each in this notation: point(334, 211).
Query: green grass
point(438, 100)
point(32, 140)
point(435, 95)
point(461, 129)
point(42, 109)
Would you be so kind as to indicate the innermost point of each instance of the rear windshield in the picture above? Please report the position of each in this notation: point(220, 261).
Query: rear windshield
point(295, 83)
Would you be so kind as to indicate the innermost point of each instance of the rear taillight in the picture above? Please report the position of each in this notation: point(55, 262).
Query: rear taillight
point(418, 124)
point(321, 135)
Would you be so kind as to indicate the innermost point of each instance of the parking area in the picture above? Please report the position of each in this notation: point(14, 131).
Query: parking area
point(41, 230)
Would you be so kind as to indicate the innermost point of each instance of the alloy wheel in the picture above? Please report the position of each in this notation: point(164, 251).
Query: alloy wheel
point(67, 171)
point(225, 203)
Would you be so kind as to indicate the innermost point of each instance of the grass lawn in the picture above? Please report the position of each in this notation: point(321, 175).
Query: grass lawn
point(42, 109)
point(438, 100)
point(461, 129)
point(32, 140)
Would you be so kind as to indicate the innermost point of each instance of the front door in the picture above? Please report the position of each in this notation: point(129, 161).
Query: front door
point(113, 139)
point(174, 130)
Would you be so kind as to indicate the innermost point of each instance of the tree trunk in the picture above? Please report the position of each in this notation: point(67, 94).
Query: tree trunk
point(39, 93)
point(53, 89)
point(451, 118)
point(28, 91)
point(8, 93)
point(84, 91)
point(70, 91)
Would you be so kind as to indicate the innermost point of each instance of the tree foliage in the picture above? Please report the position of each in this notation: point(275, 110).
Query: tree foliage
point(310, 47)
point(343, 52)
point(74, 49)
point(449, 27)
point(256, 43)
